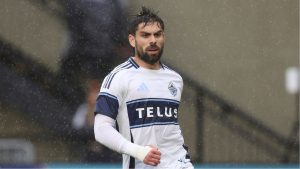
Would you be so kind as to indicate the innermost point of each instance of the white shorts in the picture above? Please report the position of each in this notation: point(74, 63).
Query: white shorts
point(183, 164)
point(180, 164)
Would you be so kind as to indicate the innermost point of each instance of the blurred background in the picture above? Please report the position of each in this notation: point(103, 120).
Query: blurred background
point(239, 61)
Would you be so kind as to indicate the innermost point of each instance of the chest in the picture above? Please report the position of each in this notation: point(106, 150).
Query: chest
point(141, 86)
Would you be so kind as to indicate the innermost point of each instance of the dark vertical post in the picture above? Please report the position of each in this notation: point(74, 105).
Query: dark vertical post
point(292, 141)
point(200, 126)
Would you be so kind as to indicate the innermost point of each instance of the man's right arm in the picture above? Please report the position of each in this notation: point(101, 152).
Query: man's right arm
point(106, 134)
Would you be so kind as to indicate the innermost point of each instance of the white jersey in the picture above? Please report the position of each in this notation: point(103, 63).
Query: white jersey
point(145, 104)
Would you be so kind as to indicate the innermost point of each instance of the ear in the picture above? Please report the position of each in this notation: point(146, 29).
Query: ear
point(131, 40)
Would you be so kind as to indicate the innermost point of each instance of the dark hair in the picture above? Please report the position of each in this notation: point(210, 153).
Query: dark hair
point(146, 16)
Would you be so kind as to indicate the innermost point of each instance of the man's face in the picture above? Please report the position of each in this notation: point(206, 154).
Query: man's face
point(148, 42)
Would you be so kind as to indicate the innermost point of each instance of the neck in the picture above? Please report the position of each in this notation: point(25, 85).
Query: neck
point(146, 65)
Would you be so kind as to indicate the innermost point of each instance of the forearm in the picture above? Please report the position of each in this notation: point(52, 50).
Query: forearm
point(106, 134)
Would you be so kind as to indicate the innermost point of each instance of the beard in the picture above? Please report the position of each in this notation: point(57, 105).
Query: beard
point(150, 59)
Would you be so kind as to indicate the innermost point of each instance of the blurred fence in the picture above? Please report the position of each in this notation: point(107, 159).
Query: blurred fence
point(17, 150)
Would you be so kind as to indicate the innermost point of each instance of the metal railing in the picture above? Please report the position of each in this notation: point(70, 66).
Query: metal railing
point(249, 129)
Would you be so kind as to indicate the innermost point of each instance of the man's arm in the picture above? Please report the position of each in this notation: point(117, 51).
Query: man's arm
point(106, 134)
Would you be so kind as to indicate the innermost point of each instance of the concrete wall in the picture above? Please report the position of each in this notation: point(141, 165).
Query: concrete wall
point(33, 30)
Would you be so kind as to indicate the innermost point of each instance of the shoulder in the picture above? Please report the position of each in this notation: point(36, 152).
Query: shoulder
point(119, 73)
point(171, 71)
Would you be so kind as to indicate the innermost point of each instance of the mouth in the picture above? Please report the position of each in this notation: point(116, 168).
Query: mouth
point(152, 52)
point(152, 49)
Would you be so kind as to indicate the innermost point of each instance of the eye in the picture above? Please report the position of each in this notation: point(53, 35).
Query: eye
point(145, 35)
point(158, 34)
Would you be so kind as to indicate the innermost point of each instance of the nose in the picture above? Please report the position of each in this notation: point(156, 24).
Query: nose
point(153, 39)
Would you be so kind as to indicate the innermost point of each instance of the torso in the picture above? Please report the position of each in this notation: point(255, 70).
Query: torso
point(148, 110)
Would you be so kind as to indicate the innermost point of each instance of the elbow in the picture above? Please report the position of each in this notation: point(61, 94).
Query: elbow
point(98, 133)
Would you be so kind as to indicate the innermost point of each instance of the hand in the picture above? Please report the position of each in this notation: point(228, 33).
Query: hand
point(153, 157)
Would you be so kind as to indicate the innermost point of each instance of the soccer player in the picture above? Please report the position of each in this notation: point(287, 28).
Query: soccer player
point(142, 95)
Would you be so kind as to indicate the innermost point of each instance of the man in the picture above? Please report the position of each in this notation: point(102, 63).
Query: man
point(143, 96)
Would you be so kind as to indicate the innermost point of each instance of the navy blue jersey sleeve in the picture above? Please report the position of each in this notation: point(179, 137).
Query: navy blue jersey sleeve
point(107, 104)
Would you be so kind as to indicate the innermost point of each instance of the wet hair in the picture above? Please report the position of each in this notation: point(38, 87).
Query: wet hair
point(146, 16)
